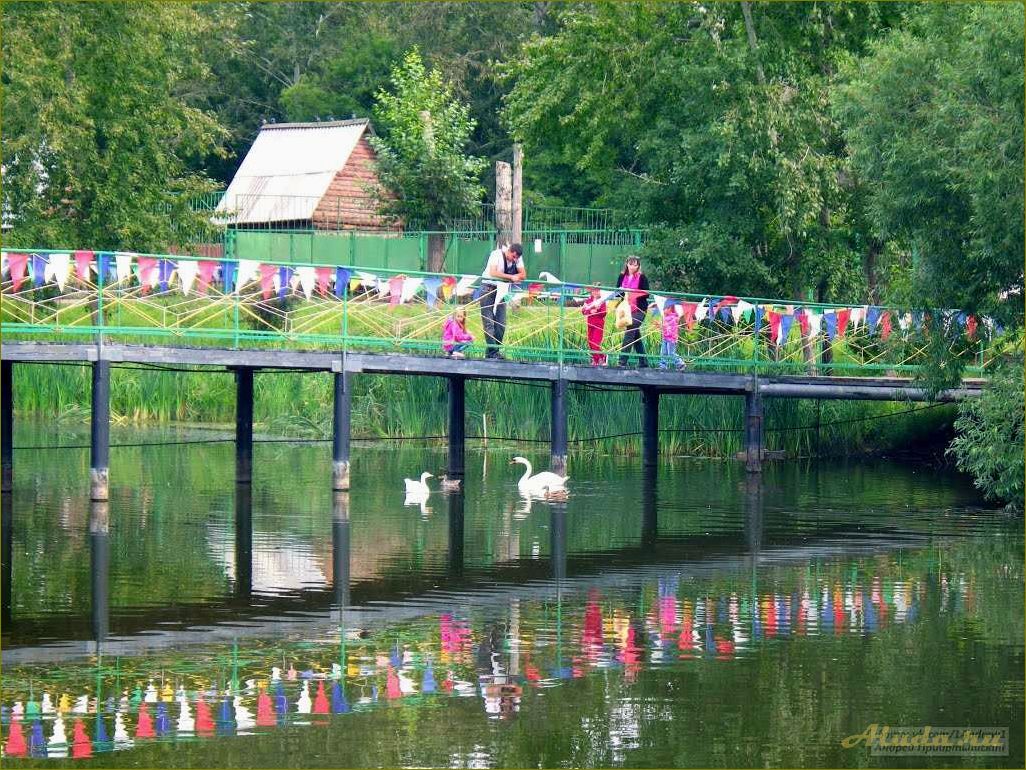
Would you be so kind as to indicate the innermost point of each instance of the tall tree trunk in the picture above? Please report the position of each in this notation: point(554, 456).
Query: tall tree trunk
point(436, 253)
point(753, 43)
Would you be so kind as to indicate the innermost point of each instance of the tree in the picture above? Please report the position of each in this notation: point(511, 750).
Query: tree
point(422, 161)
point(98, 134)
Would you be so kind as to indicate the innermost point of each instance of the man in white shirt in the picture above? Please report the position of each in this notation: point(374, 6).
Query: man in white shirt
point(505, 265)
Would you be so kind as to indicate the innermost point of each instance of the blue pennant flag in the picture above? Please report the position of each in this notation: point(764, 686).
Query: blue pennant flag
point(428, 685)
point(228, 270)
point(339, 704)
point(786, 322)
point(341, 282)
point(872, 318)
point(431, 286)
point(38, 269)
point(830, 322)
point(284, 279)
point(164, 269)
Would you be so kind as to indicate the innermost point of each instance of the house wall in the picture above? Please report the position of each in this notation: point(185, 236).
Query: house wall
point(347, 204)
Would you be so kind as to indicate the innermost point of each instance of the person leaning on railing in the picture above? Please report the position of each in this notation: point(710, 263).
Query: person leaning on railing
point(635, 292)
point(504, 265)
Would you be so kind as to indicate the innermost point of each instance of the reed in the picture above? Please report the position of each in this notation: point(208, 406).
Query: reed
point(295, 404)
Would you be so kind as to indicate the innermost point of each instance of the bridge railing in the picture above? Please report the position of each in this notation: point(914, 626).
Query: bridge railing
point(183, 300)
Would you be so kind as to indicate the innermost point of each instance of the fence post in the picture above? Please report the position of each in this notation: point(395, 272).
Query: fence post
point(562, 253)
point(562, 318)
point(422, 247)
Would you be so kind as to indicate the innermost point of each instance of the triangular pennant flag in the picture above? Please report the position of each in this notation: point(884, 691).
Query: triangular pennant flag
point(207, 269)
point(164, 270)
point(323, 279)
point(369, 280)
point(432, 285)
point(60, 268)
point(341, 281)
point(842, 321)
point(147, 272)
point(267, 275)
point(410, 288)
point(774, 324)
point(448, 286)
point(307, 279)
point(465, 285)
point(39, 270)
point(688, 311)
point(187, 270)
point(858, 314)
point(3, 263)
point(104, 267)
point(660, 303)
point(701, 311)
point(970, 326)
point(500, 293)
point(247, 271)
point(123, 264)
point(786, 322)
point(872, 318)
point(830, 322)
point(395, 288)
point(17, 261)
point(740, 309)
point(283, 281)
point(885, 325)
point(83, 259)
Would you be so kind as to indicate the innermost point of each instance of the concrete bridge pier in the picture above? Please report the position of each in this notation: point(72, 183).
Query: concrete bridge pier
point(243, 540)
point(99, 463)
point(340, 437)
point(457, 427)
point(7, 424)
point(243, 425)
point(99, 552)
point(753, 429)
point(649, 427)
point(558, 433)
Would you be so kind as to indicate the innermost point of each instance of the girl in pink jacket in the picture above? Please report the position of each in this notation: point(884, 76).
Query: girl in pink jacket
point(594, 310)
point(455, 337)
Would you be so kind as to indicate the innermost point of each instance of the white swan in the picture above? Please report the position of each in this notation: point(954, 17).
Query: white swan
point(418, 488)
point(542, 483)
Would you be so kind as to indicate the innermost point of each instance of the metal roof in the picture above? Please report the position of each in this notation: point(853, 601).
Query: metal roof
point(288, 169)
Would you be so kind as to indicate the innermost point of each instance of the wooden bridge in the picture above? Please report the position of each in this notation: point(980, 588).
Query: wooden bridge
point(101, 308)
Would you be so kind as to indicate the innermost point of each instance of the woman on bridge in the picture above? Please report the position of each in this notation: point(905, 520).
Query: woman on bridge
point(635, 286)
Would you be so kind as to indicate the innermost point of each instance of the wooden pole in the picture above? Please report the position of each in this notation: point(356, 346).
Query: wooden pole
point(518, 193)
point(100, 433)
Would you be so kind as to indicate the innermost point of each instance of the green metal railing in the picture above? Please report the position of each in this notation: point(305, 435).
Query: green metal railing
point(339, 307)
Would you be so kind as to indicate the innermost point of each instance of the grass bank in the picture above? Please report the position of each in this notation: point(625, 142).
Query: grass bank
point(293, 404)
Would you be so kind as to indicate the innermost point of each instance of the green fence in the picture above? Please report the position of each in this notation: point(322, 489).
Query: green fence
point(576, 256)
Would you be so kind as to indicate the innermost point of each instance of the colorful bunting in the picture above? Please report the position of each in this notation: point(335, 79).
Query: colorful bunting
point(123, 263)
point(323, 279)
point(17, 261)
point(83, 259)
point(38, 270)
point(341, 282)
point(843, 316)
point(164, 269)
point(147, 272)
point(885, 325)
point(248, 270)
point(60, 268)
point(307, 279)
point(395, 289)
point(432, 285)
point(786, 322)
point(830, 321)
point(410, 288)
point(465, 285)
point(267, 275)
point(283, 281)
point(207, 269)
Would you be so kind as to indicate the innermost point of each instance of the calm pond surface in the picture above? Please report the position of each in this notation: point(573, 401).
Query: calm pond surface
point(688, 617)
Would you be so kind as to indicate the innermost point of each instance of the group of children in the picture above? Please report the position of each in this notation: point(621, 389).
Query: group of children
point(456, 338)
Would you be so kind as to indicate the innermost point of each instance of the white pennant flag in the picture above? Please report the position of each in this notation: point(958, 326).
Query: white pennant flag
point(307, 279)
point(187, 270)
point(701, 311)
point(59, 268)
point(739, 309)
point(501, 289)
point(548, 277)
point(3, 263)
point(660, 303)
point(248, 270)
point(123, 264)
point(904, 321)
point(815, 322)
point(604, 296)
point(410, 287)
point(369, 280)
point(856, 317)
point(465, 285)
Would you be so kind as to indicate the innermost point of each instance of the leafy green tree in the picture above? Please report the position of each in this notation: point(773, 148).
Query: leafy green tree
point(422, 159)
point(99, 136)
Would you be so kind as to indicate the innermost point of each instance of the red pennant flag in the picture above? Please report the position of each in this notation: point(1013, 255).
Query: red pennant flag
point(15, 741)
point(204, 720)
point(81, 746)
point(842, 321)
point(970, 327)
point(146, 267)
point(206, 275)
point(17, 262)
point(803, 321)
point(774, 324)
point(323, 276)
point(885, 325)
point(265, 710)
point(267, 273)
point(320, 705)
point(144, 729)
point(689, 314)
point(534, 289)
point(82, 260)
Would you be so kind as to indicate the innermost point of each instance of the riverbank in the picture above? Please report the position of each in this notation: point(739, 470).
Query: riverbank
point(600, 420)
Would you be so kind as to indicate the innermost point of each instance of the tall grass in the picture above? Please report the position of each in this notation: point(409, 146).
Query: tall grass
point(294, 404)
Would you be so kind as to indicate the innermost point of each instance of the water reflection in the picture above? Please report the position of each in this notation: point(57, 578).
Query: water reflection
point(243, 540)
point(455, 506)
point(340, 547)
point(99, 567)
point(6, 557)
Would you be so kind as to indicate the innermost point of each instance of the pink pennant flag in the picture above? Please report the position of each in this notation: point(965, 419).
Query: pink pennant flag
point(323, 276)
point(17, 262)
point(206, 275)
point(82, 260)
point(395, 289)
point(267, 273)
point(147, 275)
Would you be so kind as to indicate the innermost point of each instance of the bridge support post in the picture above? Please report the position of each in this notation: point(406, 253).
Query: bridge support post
point(243, 540)
point(753, 429)
point(649, 427)
point(7, 423)
point(557, 434)
point(243, 426)
point(99, 461)
point(457, 429)
point(340, 438)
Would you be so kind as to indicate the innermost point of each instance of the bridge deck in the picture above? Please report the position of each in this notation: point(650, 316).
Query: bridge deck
point(713, 383)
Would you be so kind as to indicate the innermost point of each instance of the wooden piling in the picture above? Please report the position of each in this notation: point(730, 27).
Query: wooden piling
point(244, 425)
point(457, 427)
point(753, 429)
point(650, 427)
point(340, 436)
point(99, 476)
point(558, 431)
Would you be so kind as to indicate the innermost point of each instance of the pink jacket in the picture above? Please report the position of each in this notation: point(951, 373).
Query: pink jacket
point(453, 332)
point(671, 325)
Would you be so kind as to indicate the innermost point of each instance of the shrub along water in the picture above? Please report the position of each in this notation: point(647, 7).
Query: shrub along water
point(298, 404)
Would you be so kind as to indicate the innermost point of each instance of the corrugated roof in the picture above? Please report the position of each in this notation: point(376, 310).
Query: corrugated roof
point(288, 169)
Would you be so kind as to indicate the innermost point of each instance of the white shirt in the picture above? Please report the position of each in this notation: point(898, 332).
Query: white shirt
point(497, 262)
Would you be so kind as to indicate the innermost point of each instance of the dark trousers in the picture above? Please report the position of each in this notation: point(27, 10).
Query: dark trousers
point(493, 319)
point(632, 339)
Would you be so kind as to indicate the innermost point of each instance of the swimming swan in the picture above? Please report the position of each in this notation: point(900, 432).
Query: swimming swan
point(541, 483)
point(418, 488)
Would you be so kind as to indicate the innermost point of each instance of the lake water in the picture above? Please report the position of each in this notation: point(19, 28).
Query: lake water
point(690, 617)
